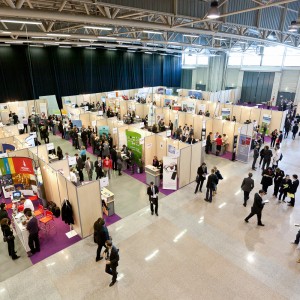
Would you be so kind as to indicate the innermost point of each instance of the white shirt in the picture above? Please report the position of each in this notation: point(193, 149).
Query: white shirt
point(73, 177)
point(25, 121)
point(28, 204)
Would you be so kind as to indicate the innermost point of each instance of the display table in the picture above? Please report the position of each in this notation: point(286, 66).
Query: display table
point(52, 158)
point(214, 149)
point(152, 175)
point(109, 198)
point(21, 230)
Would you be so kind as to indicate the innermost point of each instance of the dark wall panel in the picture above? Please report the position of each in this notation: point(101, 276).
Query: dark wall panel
point(257, 86)
point(27, 72)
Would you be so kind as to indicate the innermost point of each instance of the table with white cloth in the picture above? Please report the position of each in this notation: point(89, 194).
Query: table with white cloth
point(152, 175)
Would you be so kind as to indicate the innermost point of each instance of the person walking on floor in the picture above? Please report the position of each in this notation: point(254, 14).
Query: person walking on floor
point(257, 208)
point(152, 192)
point(101, 235)
point(33, 229)
point(201, 177)
point(295, 129)
point(255, 157)
point(293, 190)
point(247, 186)
point(274, 135)
point(211, 185)
point(8, 237)
point(112, 261)
point(89, 167)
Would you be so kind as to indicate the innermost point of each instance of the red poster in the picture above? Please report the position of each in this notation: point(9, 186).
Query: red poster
point(23, 165)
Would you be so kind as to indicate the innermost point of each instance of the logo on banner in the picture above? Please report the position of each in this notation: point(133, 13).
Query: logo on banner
point(23, 165)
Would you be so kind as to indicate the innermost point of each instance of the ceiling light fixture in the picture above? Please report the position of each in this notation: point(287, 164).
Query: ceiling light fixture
point(42, 37)
point(58, 34)
point(293, 27)
point(91, 48)
point(107, 37)
point(220, 39)
point(6, 32)
point(112, 49)
point(98, 28)
point(65, 47)
point(163, 54)
point(190, 35)
point(213, 12)
point(148, 52)
point(131, 51)
point(88, 40)
point(152, 32)
point(21, 22)
point(14, 42)
point(4, 45)
point(38, 46)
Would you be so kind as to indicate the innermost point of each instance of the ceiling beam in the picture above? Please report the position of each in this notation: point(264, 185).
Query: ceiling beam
point(60, 9)
point(238, 12)
point(19, 4)
point(10, 3)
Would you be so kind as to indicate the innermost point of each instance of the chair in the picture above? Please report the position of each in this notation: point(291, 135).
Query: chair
point(8, 206)
point(39, 211)
point(47, 221)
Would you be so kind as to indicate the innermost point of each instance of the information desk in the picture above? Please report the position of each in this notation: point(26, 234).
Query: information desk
point(109, 198)
point(21, 230)
point(152, 175)
point(214, 149)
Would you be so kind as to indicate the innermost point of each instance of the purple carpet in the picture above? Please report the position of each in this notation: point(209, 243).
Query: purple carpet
point(55, 241)
point(112, 219)
point(52, 243)
point(142, 178)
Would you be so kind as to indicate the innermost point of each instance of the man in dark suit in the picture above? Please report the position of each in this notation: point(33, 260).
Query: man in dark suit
point(211, 185)
point(152, 192)
point(201, 177)
point(255, 157)
point(267, 157)
point(257, 207)
point(114, 157)
point(130, 160)
point(247, 186)
point(293, 189)
point(208, 146)
point(112, 261)
point(101, 235)
point(295, 130)
point(79, 166)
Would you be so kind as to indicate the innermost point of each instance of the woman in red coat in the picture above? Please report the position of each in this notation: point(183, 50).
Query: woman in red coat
point(219, 143)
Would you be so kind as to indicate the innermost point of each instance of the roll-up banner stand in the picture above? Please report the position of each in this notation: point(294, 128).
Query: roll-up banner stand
point(244, 145)
point(169, 173)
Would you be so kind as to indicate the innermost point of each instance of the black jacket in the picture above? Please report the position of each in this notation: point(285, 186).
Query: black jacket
point(67, 212)
point(268, 154)
point(114, 256)
point(80, 163)
point(101, 234)
point(256, 153)
point(149, 191)
point(201, 173)
point(247, 184)
point(258, 204)
point(3, 214)
point(294, 186)
point(212, 181)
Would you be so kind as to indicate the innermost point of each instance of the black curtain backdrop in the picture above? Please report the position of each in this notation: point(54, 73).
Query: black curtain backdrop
point(27, 72)
point(257, 86)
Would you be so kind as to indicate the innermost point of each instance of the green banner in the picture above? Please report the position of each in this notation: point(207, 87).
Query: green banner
point(133, 143)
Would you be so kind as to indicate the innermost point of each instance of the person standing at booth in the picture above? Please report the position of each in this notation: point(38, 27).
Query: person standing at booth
point(79, 166)
point(89, 167)
point(9, 238)
point(208, 146)
point(152, 192)
point(33, 229)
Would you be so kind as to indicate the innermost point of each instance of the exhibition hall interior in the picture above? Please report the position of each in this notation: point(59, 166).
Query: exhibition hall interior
point(149, 149)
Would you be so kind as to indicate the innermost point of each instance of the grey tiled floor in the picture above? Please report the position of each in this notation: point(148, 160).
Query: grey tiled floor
point(193, 250)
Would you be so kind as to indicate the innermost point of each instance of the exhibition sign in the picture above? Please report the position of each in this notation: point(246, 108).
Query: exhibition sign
point(225, 113)
point(169, 173)
point(133, 143)
point(265, 123)
point(17, 173)
point(188, 106)
point(244, 147)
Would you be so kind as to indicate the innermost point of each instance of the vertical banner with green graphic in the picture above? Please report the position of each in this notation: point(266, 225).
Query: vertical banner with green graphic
point(133, 143)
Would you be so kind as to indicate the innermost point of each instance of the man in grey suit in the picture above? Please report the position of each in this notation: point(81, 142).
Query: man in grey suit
point(247, 186)
point(89, 167)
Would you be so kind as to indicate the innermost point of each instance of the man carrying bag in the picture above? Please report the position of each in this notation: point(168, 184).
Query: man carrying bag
point(152, 192)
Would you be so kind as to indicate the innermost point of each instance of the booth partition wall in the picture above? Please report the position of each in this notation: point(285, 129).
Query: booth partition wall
point(28, 72)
